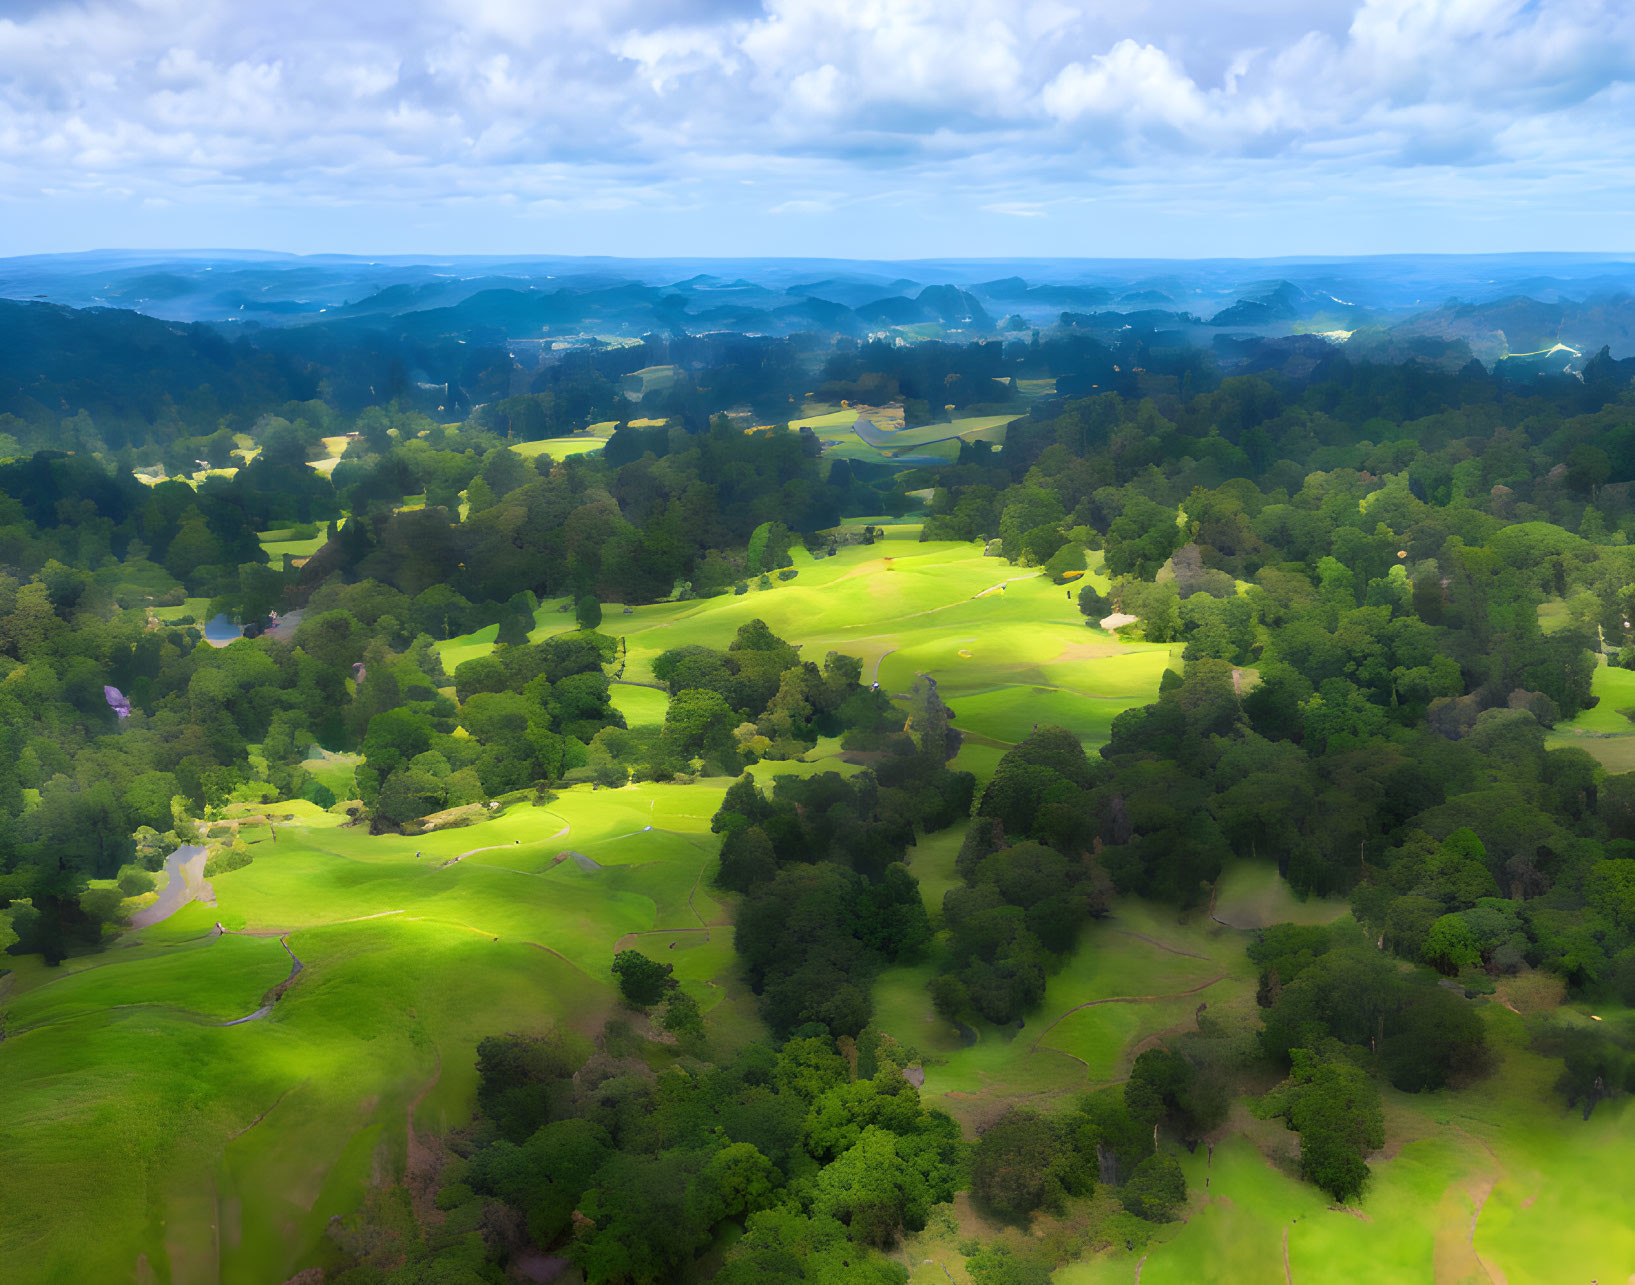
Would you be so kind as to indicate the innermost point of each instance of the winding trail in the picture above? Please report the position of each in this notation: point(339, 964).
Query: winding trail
point(1153, 941)
point(880, 660)
point(1479, 1198)
point(232, 1137)
point(185, 866)
point(272, 997)
point(1288, 1275)
point(495, 847)
point(995, 588)
point(1119, 999)
point(703, 925)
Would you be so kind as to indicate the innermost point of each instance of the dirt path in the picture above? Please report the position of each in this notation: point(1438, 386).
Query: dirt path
point(1288, 1276)
point(547, 949)
point(495, 847)
point(423, 1160)
point(1120, 999)
point(185, 868)
point(234, 1136)
point(995, 588)
point(272, 997)
point(625, 942)
point(1153, 941)
point(1479, 1195)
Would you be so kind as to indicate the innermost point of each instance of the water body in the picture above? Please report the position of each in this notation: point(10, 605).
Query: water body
point(184, 871)
point(221, 630)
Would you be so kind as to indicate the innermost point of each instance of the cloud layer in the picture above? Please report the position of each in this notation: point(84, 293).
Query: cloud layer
point(660, 125)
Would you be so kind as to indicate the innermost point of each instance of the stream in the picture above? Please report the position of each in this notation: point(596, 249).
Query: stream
point(272, 996)
point(187, 860)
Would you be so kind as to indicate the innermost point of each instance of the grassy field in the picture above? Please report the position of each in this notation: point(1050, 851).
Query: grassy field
point(559, 448)
point(220, 1153)
point(649, 379)
point(1497, 1182)
point(1494, 1183)
point(223, 1151)
point(277, 543)
point(845, 438)
point(1603, 731)
point(1003, 657)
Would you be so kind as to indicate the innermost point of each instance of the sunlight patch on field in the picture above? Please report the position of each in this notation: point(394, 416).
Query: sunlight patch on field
point(260, 1133)
point(1603, 731)
point(1252, 895)
point(905, 607)
point(559, 448)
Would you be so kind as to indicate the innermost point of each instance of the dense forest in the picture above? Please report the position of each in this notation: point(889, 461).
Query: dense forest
point(1352, 557)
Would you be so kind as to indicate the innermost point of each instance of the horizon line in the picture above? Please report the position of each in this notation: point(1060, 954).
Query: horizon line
point(540, 255)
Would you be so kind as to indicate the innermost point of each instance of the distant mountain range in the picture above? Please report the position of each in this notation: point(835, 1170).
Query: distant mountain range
point(1558, 308)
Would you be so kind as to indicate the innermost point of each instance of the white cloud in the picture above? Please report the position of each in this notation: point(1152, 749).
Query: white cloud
point(999, 107)
point(1129, 86)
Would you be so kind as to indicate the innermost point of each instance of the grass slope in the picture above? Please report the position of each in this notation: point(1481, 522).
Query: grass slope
point(144, 1139)
point(1007, 647)
point(136, 1125)
point(559, 448)
point(1602, 730)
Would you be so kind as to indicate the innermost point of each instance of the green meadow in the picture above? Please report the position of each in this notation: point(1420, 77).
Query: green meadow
point(1604, 730)
point(294, 541)
point(872, 443)
point(1496, 1182)
point(1476, 1185)
point(1007, 647)
point(221, 1152)
point(560, 448)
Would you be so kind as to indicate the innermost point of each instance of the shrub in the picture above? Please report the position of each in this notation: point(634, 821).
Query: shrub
point(134, 881)
point(641, 980)
point(319, 794)
point(229, 859)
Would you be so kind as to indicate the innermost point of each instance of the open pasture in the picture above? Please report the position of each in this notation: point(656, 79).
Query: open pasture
point(1251, 894)
point(1603, 731)
point(1141, 971)
point(649, 379)
point(228, 1147)
point(1476, 1185)
point(854, 435)
point(293, 541)
point(1498, 1181)
point(560, 448)
point(1007, 647)
point(224, 1150)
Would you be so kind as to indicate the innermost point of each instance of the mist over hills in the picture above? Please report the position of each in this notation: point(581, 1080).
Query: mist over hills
point(780, 295)
point(451, 332)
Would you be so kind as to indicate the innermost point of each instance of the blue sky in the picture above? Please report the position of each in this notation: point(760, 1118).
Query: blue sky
point(862, 128)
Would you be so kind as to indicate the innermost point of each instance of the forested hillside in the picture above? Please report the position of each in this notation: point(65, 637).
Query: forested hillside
point(1387, 607)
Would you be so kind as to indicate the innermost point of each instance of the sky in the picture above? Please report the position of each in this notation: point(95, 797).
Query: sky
point(844, 128)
